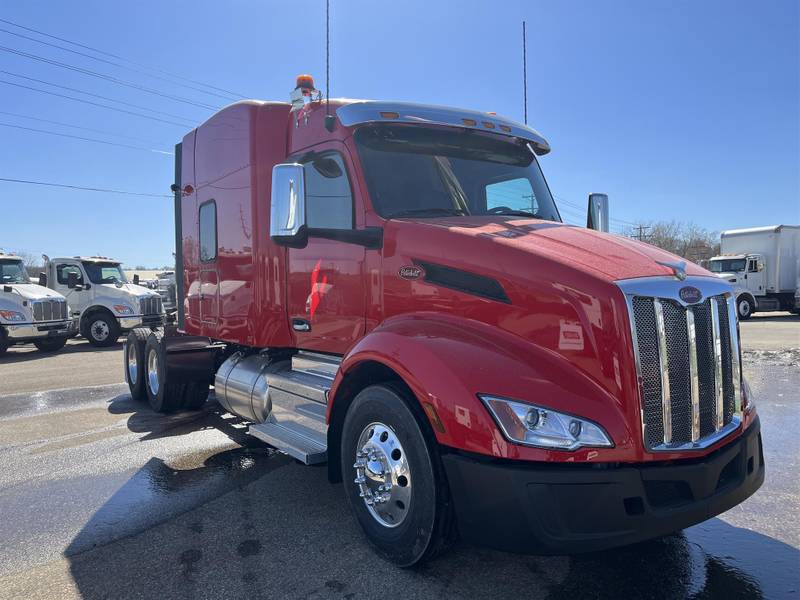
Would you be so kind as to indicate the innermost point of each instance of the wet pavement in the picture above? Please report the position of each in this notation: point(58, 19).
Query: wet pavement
point(101, 498)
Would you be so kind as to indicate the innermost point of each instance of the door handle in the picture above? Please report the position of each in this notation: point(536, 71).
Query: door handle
point(301, 325)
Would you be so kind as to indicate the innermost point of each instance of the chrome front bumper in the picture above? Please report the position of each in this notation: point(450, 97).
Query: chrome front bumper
point(126, 323)
point(35, 331)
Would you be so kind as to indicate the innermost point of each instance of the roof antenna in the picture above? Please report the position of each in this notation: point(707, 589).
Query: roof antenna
point(525, 72)
point(330, 120)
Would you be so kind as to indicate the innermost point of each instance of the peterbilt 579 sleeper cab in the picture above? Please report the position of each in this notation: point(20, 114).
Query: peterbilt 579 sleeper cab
point(389, 287)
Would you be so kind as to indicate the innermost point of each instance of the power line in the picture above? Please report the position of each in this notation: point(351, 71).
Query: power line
point(93, 95)
point(122, 110)
point(88, 189)
point(120, 65)
point(85, 139)
point(117, 56)
point(109, 78)
point(112, 133)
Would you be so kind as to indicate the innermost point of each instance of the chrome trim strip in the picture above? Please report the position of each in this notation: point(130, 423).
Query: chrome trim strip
point(718, 389)
point(733, 322)
point(694, 377)
point(637, 360)
point(705, 442)
point(669, 287)
point(372, 111)
point(666, 407)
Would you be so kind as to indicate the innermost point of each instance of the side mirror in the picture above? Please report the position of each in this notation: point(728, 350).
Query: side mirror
point(135, 279)
point(287, 223)
point(597, 217)
point(43, 279)
point(72, 280)
point(78, 288)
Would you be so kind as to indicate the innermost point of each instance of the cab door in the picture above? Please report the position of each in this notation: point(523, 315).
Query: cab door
point(326, 296)
point(77, 300)
point(755, 275)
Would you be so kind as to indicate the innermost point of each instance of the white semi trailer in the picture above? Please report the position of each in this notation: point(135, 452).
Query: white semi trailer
point(763, 264)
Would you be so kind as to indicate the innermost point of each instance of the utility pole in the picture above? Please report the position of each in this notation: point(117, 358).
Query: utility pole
point(641, 235)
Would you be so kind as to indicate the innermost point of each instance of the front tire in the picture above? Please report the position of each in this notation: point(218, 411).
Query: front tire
point(393, 478)
point(101, 330)
point(50, 344)
point(744, 307)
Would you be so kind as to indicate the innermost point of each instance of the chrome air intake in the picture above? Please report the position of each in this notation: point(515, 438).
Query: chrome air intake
point(686, 345)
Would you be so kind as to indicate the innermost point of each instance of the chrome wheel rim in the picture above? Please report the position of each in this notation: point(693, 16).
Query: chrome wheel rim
point(152, 372)
point(133, 371)
point(100, 330)
point(383, 475)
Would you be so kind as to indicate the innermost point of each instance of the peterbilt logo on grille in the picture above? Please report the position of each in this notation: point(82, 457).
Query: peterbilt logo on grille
point(690, 294)
point(411, 272)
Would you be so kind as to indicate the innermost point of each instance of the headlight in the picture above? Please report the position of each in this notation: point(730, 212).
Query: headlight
point(12, 316)
point(123, 309)
point(533, 425)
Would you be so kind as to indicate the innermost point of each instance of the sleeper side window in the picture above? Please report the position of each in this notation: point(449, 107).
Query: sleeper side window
point(329, 199)
point(208, 231)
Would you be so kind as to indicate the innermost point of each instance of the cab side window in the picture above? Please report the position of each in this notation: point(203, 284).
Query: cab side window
point(208, 231)
point(63, 271)
point(752, 265)
point(329, 199)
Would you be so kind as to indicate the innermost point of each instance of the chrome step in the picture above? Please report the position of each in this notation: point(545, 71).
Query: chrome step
point(296, 425)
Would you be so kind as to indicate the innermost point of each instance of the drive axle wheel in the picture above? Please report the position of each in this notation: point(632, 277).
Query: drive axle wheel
point(163, 395)
point(393, 479)
point(134, 362)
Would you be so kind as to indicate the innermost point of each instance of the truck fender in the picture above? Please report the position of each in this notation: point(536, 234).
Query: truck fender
point(447, 361)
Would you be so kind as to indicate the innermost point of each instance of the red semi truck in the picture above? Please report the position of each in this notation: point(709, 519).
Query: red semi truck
point(389, 288)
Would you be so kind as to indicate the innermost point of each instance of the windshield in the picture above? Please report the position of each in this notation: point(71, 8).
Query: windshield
point(101, 272)
point(728, 265)
point(423, 172)
point(13, 271)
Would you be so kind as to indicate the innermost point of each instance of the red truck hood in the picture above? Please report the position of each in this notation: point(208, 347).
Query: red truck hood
point(603, 255)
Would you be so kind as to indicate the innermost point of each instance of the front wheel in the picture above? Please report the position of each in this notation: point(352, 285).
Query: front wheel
point(745, 308)
point(101, 330)
point(392, 477)
point(50, 344)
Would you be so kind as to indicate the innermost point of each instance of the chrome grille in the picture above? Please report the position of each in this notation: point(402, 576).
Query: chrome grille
point(52, 309)
point(150, 305)
point(687, 361)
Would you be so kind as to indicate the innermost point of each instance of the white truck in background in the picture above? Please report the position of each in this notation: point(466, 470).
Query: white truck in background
point(102, 300)
point(30, 313)
point(763, 265)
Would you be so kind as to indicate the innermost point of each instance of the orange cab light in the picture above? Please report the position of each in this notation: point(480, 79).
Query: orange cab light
point(470, 122)
point(491, 112)
point(505, 128)
point(390, 115)
point(488, 124)
point(305, 82)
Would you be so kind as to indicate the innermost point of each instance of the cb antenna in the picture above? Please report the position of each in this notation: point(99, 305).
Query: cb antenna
point(330, 120)
point(524, 73)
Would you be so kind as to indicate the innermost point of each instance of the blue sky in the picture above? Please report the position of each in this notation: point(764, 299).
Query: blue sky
point(678, 110)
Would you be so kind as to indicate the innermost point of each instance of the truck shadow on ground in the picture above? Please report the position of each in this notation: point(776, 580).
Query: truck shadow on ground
point(249, 522)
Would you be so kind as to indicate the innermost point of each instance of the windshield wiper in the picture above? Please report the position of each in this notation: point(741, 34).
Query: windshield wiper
point(428, 212)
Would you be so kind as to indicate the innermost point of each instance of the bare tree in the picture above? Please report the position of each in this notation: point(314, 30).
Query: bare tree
point(688, 240)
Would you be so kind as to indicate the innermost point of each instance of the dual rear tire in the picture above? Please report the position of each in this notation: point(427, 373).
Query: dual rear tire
point(149, 378)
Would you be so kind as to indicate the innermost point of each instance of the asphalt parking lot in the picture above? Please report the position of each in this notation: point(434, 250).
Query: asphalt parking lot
point(100, 497)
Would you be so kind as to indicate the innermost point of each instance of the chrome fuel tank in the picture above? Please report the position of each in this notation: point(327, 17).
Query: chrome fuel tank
point(242, 385)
